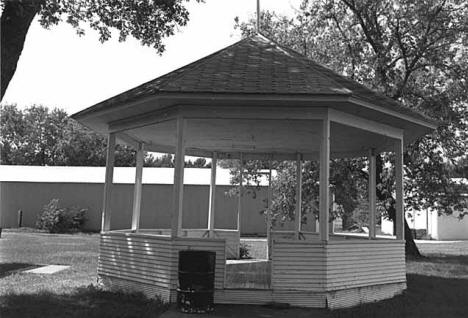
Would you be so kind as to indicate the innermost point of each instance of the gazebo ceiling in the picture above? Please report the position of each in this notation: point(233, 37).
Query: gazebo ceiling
point(251, 96)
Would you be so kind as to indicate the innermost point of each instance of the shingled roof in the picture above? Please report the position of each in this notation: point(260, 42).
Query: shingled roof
point(255, 65)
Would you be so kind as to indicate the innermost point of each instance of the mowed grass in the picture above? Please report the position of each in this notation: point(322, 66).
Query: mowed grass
point(70, 293)
point(437, 284)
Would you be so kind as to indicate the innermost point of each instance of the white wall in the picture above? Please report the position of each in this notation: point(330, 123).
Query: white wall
point(452, 228)
point(444, 227)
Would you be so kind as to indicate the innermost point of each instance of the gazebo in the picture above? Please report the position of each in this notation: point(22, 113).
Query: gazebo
point(256, 100)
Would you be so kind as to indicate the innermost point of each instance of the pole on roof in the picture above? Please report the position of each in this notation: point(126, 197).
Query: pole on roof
point(239, 203)
point(269, 203)
point(298, 216)
point(178, 188)
point(140, 158)
point(372, 192)
point(258, 16)
point(211, 204)
point(108, 184)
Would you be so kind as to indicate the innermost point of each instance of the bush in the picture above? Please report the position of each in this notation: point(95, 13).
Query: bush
point(55, 219)
point(244, 252)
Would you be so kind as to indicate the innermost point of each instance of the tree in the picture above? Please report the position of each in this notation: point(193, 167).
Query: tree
point(413, 52)
point(40, 136)
point(148, 21)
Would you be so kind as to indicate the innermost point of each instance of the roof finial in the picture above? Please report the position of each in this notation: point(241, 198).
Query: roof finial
point(258, 16)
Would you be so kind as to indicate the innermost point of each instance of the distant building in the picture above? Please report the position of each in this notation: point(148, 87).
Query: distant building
point(436, 227)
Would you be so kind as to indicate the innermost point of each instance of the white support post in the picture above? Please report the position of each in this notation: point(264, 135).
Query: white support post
point(106, 209)
point(298, 216)
point(239, 203)
point(324, 204)
point(140, 155)
point(178, 194)
point(399, 204)
point(211, 208)
point(269, 200)
point(372, 193)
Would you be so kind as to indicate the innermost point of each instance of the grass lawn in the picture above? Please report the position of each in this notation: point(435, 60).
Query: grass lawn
point(68, 293)
point(437, 284)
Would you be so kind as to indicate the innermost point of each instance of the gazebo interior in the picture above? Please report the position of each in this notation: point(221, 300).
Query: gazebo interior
point(256, 100)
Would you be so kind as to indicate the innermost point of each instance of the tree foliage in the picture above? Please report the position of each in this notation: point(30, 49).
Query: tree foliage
point(412, 51)
point(44, 137)
point(148, 21)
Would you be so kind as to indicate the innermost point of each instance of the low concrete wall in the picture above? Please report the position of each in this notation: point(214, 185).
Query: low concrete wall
point(30, 197)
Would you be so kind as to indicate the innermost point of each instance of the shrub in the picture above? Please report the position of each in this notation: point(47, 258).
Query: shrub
point(56, 219)
point(244, 252)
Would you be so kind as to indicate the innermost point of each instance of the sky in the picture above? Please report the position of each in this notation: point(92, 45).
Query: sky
point(57, 68)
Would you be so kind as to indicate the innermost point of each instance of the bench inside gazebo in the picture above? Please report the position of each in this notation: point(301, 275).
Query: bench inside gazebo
point(257, 100)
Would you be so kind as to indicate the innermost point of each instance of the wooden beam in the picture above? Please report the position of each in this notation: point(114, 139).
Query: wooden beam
point(223, 154)
point(372, 193)
point(252, 112)
point(426, 123)
point(211, 208)
point(298, 216)
point(127, 139)
point(269, 201)
point(365, 124)
point(399, 204)
point(145, 119)
point(108, 184)
point(178, 194)
point(324, 203)
point(239, 203)
point(140, 156)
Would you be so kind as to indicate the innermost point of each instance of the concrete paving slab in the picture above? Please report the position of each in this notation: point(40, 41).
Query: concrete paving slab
point(48, 269)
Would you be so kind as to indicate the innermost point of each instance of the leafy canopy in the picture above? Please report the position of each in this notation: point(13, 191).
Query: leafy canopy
point(412, 51)
point(148, 21)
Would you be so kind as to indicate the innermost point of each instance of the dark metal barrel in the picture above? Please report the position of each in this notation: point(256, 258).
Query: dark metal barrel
point(196, 281)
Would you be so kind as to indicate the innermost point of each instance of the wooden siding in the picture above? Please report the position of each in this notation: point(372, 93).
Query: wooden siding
point(252, 274)
point(357, 263)
point(149, 290)
point(149, 263)
point(130, 260)
point(355, 296)
point(298, 265)
point(263, 297)
point(341, 264)
point(305, 273)
point(232, 238)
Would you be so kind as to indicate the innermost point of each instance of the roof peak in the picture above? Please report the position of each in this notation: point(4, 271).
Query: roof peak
point(255, 64)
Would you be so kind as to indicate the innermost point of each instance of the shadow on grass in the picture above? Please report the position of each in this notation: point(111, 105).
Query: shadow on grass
point(442, 259)
point(83, 302)
point(10, 268)
point(426, 296)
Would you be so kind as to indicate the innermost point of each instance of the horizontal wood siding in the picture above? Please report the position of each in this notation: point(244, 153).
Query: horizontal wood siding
point(298, 265)
point(263, 297)
point(129, 260)
point(358, 263)
point(243, 296)
point(149, 290)
point(232, 238)
point(355, 296)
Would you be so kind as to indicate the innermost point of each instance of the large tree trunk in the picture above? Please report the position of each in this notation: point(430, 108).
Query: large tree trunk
point(16, 19)
point(411, 249)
